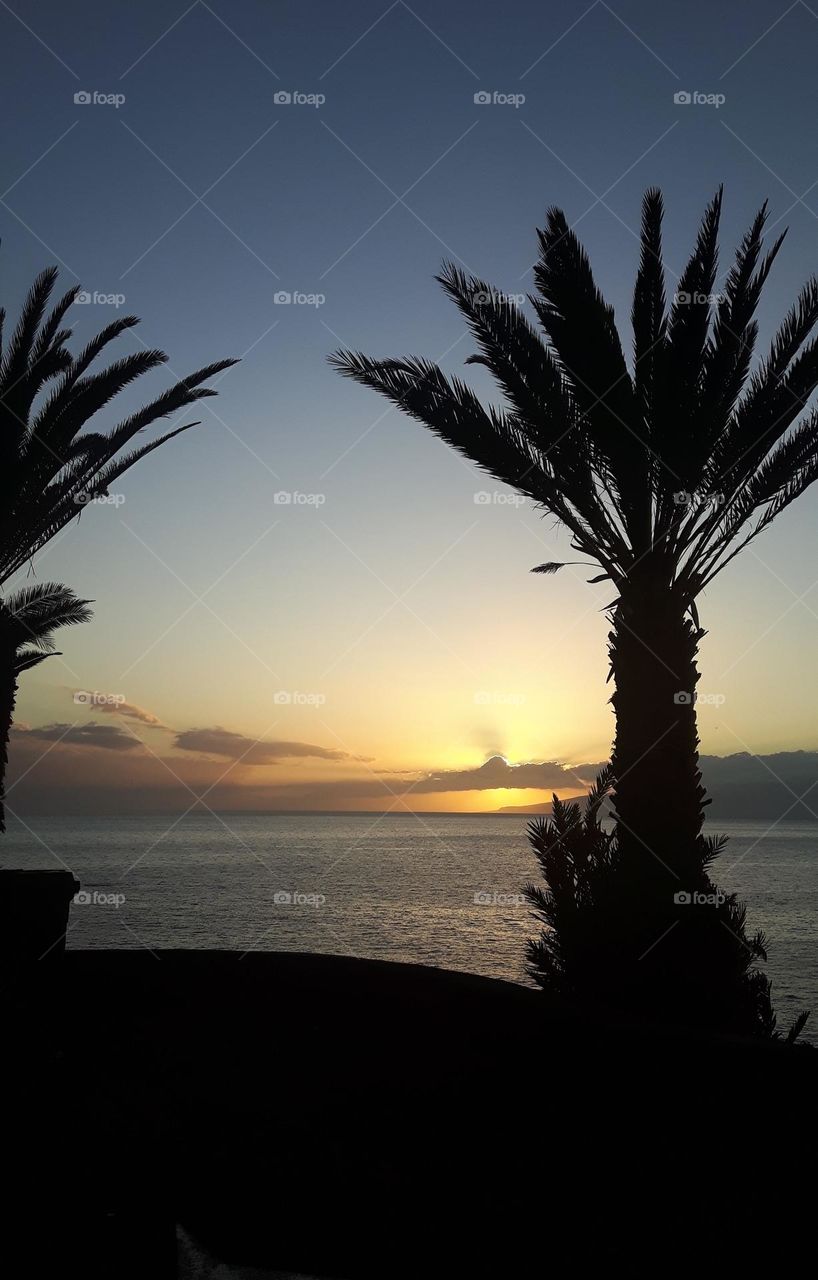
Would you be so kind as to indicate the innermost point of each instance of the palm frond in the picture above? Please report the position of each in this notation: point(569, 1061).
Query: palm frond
point(36, 610)
point(648, 313)
point(678, 440)
point(554, 566)
point(797, 1026)
point(89, 353)
point(76, 402)
point(495, 441)
point(513, 352)
point(581, 328)
point(452, 411)
point(25, 659)
point(18, 353)
point(768, 405)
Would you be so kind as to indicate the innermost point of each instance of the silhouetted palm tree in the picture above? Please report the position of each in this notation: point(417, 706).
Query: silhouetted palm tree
point(28, 619)
point(51, 466)
point(661, 472)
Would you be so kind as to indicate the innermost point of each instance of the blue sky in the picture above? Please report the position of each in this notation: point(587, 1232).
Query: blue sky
point(199, 197)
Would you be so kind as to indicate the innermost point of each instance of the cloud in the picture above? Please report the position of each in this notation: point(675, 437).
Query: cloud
point(107, 736)
point(132, 712)
point(497, 772)
point(240, 747)
point(111, 704)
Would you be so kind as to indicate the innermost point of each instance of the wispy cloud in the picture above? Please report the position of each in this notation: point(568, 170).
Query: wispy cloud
point(238, 746)
point(114, 704)
point(107, 736)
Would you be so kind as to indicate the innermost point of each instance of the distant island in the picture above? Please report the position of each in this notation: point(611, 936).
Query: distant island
point(781, 785)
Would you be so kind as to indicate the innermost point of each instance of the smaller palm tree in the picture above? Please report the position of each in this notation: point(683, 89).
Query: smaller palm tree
point(28, 619)
point(576, 856)
point(704, 971)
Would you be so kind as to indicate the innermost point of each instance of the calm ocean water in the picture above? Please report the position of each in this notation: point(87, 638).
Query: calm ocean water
point(433, 890)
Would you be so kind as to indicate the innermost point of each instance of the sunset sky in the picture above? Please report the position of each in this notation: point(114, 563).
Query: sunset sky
point(378, 638)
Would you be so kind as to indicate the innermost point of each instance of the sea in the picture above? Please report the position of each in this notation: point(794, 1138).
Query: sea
point(440, 890)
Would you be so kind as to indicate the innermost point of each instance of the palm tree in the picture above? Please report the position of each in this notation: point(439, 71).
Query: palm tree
point(661, 471)
point(51, 466)
point(28, 619)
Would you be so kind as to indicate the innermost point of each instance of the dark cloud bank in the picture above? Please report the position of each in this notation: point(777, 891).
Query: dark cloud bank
point(784, 784)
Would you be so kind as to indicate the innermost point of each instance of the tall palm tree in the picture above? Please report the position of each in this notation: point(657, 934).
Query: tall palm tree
point(51, 466)
point(662, 471)
point(28, 619)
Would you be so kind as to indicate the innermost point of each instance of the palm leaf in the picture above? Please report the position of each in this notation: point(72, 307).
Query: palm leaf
point(35, 611)
point(25, 659)
point(582, 331)
point(648, 313)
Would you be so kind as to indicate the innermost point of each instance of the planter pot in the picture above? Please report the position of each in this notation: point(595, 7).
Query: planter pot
point(34, 916)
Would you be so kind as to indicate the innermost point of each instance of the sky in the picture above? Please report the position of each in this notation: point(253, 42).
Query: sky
point(308, 601)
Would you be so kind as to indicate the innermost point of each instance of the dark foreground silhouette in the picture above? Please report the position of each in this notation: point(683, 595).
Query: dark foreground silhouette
point(353, 1118)
point(699, 969)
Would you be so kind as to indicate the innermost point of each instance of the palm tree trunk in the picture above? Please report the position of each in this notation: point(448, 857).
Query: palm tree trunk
point(668, 958)
point(658, 794)
point(8, 697)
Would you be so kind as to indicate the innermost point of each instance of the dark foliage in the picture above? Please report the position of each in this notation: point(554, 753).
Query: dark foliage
point(687, 957)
